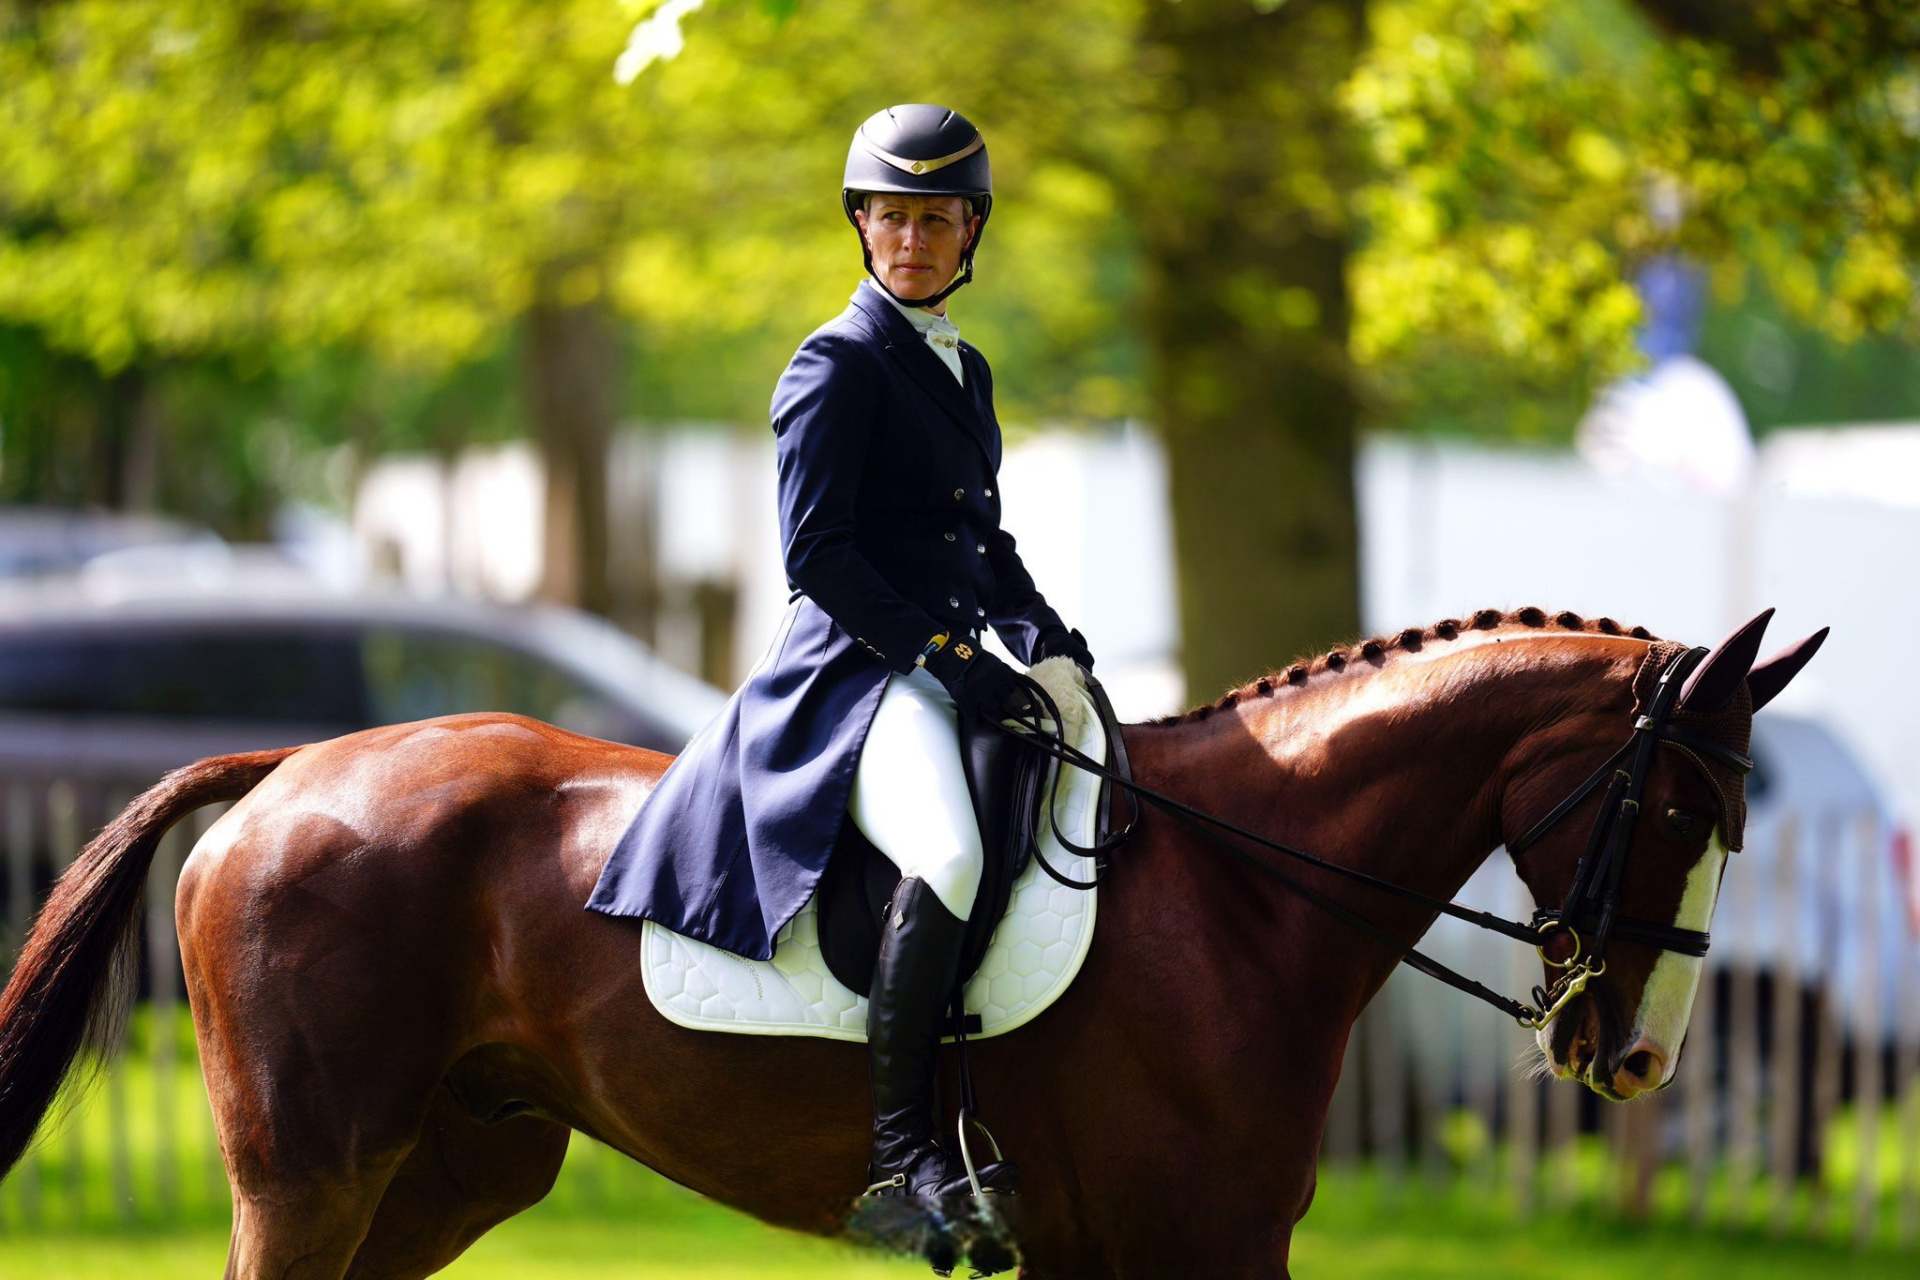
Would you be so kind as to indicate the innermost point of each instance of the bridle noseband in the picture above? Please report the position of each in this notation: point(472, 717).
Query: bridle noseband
point(1592, 901)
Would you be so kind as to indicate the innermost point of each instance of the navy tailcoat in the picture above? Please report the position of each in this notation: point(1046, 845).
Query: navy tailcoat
point(890, 526)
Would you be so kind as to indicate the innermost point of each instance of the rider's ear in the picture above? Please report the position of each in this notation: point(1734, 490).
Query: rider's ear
point(1719, 674)
point(1771, 676)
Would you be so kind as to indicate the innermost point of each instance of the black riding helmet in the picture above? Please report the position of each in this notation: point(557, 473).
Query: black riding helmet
point(921, 150)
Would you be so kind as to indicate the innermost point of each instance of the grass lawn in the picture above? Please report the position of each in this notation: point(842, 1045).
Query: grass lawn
point(641, 1227)
point(544, 1246)
point(163, 1216)
point(1356, 1230)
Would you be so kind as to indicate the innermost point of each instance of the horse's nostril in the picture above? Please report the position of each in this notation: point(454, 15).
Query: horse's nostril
point(1640, 1069)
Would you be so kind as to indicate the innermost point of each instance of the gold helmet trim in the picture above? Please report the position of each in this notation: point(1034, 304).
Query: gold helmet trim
point(920, 166)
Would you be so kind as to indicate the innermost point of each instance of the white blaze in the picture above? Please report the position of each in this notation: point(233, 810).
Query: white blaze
point(1667, 1002)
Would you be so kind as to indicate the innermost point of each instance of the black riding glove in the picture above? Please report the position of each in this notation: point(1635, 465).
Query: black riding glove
point(1058, 642)
point(981, 684)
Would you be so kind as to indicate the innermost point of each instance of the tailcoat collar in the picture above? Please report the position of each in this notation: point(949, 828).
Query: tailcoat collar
point(909, 347)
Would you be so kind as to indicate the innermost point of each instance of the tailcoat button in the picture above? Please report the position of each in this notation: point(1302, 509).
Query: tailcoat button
point(979, 612)
point(953, 602)
point(959, 494)
point(989, 492)
point(949, 537)
point(981, 547)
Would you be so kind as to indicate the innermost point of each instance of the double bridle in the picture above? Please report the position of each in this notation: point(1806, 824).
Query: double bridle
point(1592, 903)
point(1589, 915)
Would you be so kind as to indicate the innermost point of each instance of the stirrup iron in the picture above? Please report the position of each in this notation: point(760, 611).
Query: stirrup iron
point(966, 1155)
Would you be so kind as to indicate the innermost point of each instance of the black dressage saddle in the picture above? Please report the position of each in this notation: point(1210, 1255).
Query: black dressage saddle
point(1008, 781)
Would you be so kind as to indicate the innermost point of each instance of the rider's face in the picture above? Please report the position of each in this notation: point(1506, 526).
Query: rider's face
point(916, 241)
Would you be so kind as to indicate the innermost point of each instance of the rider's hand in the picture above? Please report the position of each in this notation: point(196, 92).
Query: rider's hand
point(981, 684)
point(1058, 642)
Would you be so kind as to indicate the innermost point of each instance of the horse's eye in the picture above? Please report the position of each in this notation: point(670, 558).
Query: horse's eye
point(1681, 820)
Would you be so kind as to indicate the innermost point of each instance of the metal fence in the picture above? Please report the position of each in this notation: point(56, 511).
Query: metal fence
point(150, 1133)
point(142, 1149)
point(1795, 1109)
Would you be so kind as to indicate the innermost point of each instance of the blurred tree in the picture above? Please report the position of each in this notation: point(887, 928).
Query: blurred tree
point(756, 118)
point(261, 182)
point(1788, 374)
point(1293, 213)
point(1528, 156)
point(264, 179)
point(1395, 198)
point(1246, 227)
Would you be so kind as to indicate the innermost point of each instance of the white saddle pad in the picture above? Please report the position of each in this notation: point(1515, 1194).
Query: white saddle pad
point(1033, 956)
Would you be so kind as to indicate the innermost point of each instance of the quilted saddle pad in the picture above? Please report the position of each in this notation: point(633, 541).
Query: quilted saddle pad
point(1035, 952)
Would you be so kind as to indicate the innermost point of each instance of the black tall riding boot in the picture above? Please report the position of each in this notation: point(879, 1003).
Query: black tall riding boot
point(920, 943)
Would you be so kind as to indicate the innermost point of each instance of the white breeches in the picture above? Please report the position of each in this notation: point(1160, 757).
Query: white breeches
point(910, 792)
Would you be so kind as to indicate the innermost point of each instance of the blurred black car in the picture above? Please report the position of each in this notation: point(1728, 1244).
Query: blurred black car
point(109, 679)
point(119, 682)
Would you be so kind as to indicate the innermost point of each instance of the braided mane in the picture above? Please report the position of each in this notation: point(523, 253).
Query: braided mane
point(1376, 650)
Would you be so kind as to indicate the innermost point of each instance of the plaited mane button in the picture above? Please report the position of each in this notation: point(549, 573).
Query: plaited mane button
point(988, 492)
point(959, 494)
point(949, 537)
point(981, 547)
point(953, 602)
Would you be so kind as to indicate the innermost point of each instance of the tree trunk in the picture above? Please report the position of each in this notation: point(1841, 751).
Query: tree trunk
point(127, 461)
point(572, 378)
point(1247, 316)
point(142, 429)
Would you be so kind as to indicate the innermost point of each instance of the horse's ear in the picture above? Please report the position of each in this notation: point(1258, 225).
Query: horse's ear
point(1719, 674)
point(1771, 676)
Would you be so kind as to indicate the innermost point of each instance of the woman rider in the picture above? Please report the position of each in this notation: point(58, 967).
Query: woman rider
point(887, 449)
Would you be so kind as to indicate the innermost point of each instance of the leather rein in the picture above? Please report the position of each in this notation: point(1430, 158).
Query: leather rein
point(1589, 915)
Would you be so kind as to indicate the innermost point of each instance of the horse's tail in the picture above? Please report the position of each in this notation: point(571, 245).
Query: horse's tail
point(73, 982)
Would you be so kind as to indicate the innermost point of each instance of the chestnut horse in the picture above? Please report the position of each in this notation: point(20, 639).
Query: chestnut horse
point(403, 1009)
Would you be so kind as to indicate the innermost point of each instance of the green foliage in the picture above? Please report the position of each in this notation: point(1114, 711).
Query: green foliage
point(756, 251)
point(1504, 204)
point(186, 178)
point(274, 229)
point(323, 221)
point(1789, 374)
point(180, 179)
point(1530, 155)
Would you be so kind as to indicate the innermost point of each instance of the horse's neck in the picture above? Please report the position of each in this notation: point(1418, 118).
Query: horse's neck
point(1398, 772)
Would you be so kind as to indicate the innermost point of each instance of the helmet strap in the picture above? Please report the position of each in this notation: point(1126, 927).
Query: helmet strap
point(934, 301)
